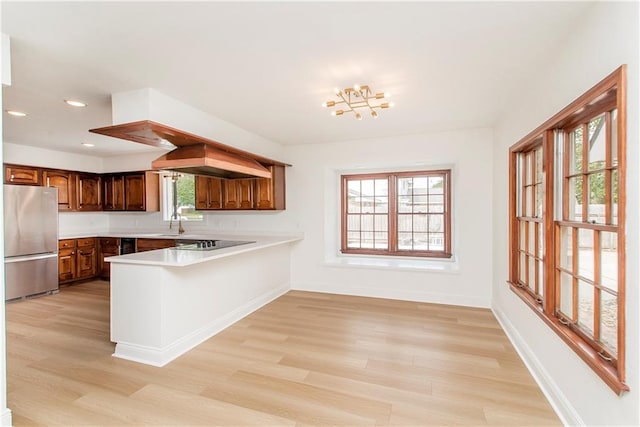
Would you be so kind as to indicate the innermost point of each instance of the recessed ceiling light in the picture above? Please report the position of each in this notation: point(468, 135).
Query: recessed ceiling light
point(16, 113)
point(88, 144)
point(75, 103)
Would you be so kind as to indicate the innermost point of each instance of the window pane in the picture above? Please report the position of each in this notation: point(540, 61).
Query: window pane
point(537, 210)
point(381, 223)
point(420, 223)
point(381, 204)
point(353, 239)
point(436, 185)
point(523, 233)
point(367, 239)
point(420, 203)
point(566, 295)
point(436, 241)
point(367, 222)
point(405, 203)
point(353, 187)
point(382, 241)
point(367, 204)
point(575, 199)
point(405, 223)
point(575, 148)
point(436, 223)
point(609, 322)
point(566, 248)
point(367, 187)
point(353, 222)
point(532, 273)
point(404, 241)
point(585, 253)
point(420, 185)
point(540, 240)
point(522, 268)
point(538, 170)
point(420, 241)
point(609, 260)
point(405, 186)
point(597, 198)
point(382, 187)
point(540, 277)
point(528, 204)
point(585, 307)
point(597, 143)
point(532, 238)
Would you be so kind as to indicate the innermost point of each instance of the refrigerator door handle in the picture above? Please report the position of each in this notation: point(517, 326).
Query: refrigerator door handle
point(29, 257)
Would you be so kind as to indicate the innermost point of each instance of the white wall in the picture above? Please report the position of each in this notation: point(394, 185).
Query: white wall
point(36, 156)
point(313, 199)
point(605, 39)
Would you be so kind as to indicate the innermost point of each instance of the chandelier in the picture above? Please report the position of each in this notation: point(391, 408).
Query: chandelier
point(358, 96)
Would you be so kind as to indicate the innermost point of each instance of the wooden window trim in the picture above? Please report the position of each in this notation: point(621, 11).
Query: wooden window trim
point(392, 249)
point(606, 95)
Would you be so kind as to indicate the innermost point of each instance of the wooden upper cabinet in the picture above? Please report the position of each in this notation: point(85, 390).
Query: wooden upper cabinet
point(269, 194)
point(113, 192)
point(208, 193)
point(142, 192)
point(89, 192)
point(27, 175)
point(238, 193)
point(64, 181)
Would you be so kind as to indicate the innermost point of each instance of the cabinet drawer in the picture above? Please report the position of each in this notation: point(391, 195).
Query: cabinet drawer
point(143, 245)
point(109, 242)
point(87, 241)
point(66, 243)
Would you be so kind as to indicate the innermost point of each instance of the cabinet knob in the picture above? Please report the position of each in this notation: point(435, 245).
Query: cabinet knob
point(12, 177)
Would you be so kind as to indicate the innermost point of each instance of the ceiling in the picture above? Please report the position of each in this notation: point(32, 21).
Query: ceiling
point(268, 66)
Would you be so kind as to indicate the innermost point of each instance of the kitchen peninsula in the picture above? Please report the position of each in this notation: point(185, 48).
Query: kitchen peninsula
point(165, 302)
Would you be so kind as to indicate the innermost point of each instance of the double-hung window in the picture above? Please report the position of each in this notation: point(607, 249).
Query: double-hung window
point(397, 213)
point(567, 210)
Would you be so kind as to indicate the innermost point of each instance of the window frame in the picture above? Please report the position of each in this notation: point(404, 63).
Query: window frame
point(393, 214)
point(607, 95)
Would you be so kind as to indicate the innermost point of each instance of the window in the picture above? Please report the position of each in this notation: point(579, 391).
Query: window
point(179, 199)
point(567, 208)
point(402, 214)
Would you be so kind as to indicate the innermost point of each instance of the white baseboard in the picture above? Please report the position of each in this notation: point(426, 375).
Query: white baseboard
point(5, 418)
point(561, 405)
point(161, 356)
point(396, 294)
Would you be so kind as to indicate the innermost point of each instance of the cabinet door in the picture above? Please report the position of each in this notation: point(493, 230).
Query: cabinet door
point(62, 180)
point(208, 193)
point(21, 175)
point(66, 265)
point(108, 246)
point(134, 192)
point(89, 192)
point(86, 260)
point(113, 194)
point(270, 192)
point(238, 194)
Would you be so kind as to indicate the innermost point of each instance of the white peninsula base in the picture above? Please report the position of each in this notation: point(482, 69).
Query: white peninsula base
point(162, 309)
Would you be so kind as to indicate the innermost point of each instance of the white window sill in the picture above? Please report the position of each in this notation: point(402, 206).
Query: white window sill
point(393, 263)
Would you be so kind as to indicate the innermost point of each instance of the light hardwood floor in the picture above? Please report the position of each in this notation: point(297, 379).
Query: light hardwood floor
point(304, 359)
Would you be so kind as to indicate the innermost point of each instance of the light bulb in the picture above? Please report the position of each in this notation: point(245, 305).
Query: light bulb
point(336, 91)
point(384, 105)
point(387, 94)
point(337, 113)
point(356, 88)
point(391, 105)
point(380, 95)
point(358, 116)
point(328, 104)
point(374, 114)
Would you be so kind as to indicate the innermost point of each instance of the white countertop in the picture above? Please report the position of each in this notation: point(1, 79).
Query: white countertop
point(173, 257)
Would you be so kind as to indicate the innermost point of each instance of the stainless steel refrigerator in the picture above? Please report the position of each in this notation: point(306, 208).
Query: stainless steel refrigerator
point(30, 240)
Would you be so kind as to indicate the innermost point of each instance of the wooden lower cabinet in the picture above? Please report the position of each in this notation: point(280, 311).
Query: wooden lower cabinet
point(77, 259)
point(107, 246)
point(143, 245)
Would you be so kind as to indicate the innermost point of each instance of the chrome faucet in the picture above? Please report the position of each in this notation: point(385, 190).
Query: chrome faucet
point(180, 228)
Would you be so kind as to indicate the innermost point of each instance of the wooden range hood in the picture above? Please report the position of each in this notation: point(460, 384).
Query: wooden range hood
point(194, 154)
